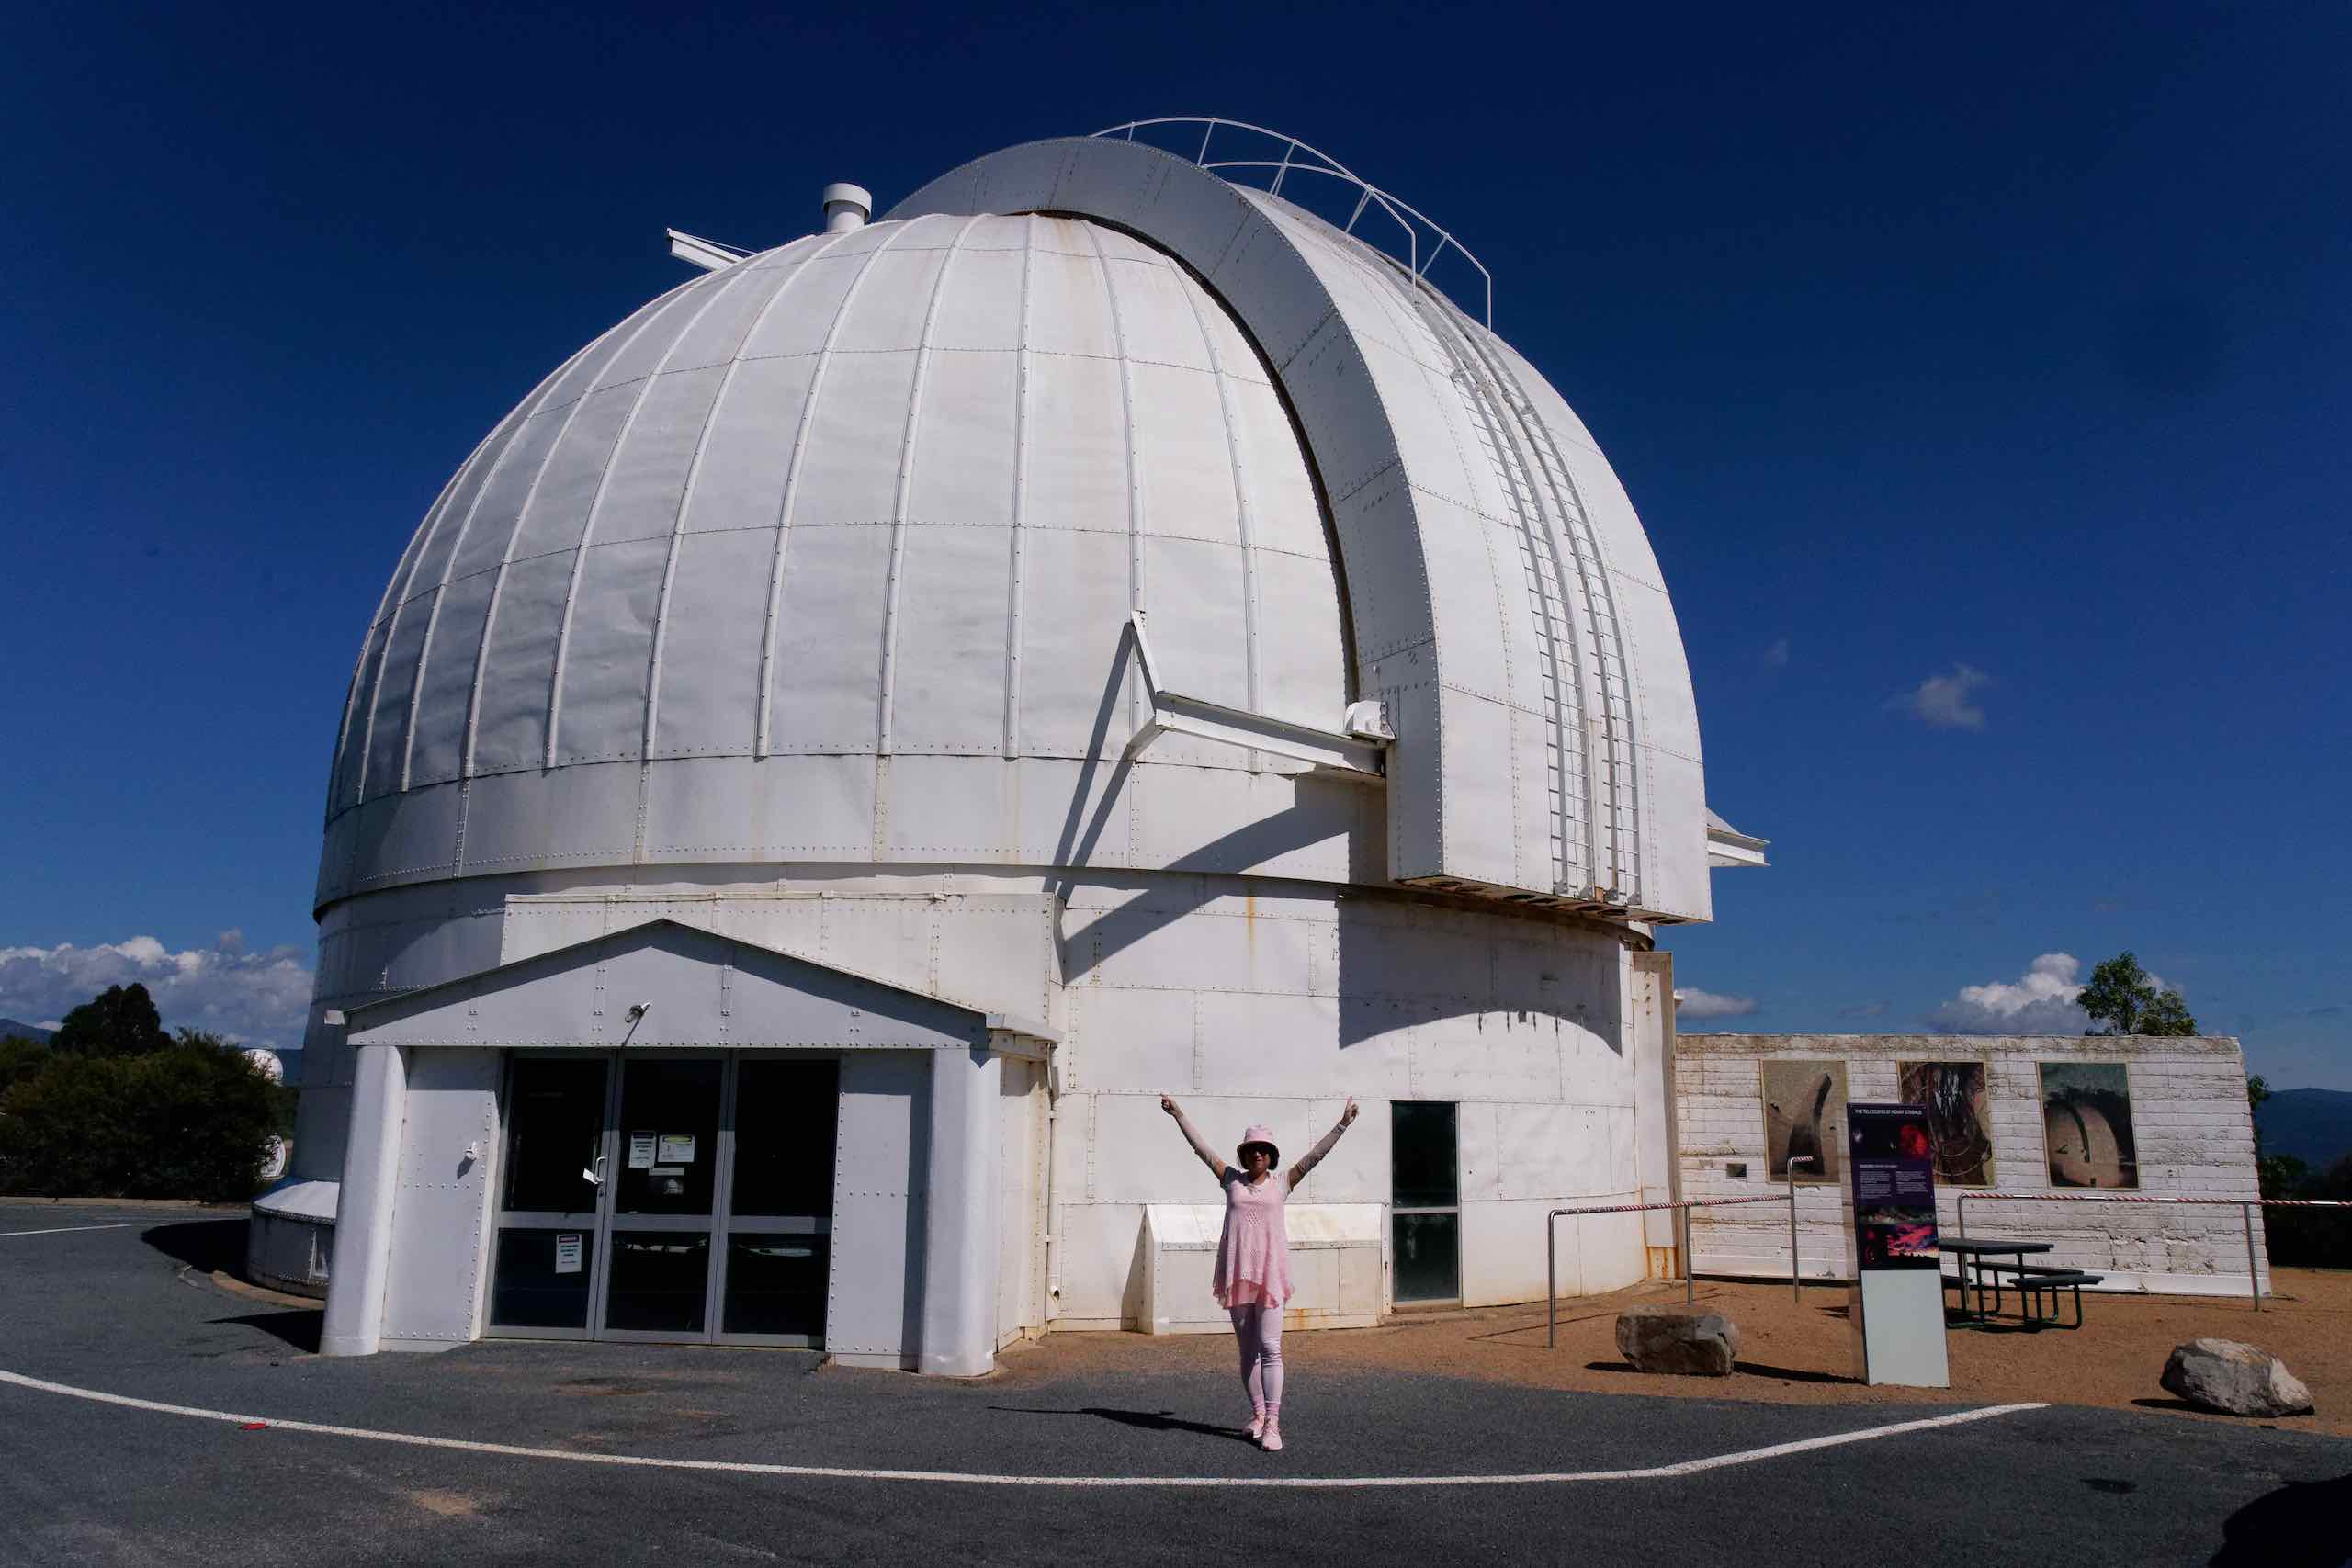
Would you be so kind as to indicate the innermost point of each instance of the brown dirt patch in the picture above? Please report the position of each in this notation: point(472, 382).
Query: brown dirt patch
point(446, 1505)
point(1797, 1354)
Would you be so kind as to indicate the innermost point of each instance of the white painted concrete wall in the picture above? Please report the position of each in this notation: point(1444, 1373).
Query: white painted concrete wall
point(1272, 1003)
point(2190, 1121)
point(1249, 999)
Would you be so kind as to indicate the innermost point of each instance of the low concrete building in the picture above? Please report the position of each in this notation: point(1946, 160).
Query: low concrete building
point(2090, 1116)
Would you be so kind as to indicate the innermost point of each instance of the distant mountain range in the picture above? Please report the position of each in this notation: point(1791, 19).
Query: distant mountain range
point(9, 1026)
point(2313, 1124)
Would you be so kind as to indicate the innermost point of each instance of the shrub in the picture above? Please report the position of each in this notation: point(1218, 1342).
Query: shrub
point(192, 1120)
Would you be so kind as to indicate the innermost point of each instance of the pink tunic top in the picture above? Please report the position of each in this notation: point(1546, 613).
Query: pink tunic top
point(1253, 1256)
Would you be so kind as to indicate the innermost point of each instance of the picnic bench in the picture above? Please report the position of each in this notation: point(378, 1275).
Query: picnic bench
point(2031, 1280)
point(1980, 1266)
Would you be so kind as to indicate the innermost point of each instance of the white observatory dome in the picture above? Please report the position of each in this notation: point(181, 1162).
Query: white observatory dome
point(888, 492)
point(926, 692)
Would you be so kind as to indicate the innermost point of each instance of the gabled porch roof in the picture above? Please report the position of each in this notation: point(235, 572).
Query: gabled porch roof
point(688, 988)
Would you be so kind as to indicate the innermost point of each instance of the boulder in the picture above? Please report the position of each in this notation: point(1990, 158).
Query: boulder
point(2239, 1380)
point(1670, 1339)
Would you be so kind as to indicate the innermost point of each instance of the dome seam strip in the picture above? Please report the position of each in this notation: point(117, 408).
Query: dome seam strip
point(440, 592)
point(729, 283)
point(1016, 586)
point(678, 524)
point(784, 507)
point(884, 714)
point(514, 538)
point(1135, 581)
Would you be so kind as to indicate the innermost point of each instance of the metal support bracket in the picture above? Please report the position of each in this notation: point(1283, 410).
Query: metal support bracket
point(708, 254)
point(1358, 750)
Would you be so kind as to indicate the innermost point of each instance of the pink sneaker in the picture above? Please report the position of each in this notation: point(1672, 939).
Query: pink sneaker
point(1271, 1439)
point(1257, 1426)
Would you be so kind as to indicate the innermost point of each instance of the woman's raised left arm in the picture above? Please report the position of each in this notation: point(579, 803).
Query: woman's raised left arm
point(1315, 1156)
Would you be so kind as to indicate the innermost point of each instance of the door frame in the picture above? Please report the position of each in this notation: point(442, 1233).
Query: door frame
point(601, 1223)
point(502, 1219)
point(710, 1226)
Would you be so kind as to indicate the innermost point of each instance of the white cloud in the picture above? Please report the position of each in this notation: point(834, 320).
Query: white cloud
point(1863, 1009)
point(1944, 701)
point(1776, 657)
point(2040, 1001)
point(1692, 1003)
point(253, 999)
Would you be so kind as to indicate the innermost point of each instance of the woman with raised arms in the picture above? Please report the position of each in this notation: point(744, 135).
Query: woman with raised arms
point(1253, 1258)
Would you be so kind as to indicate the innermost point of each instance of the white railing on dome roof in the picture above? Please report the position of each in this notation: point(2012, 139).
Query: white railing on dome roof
point(1421, 234)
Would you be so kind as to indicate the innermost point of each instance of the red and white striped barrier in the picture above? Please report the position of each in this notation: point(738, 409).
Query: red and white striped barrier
point(1678, 1203)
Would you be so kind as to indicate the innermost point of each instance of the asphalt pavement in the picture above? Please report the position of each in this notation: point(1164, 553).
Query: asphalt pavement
point(131, 1311)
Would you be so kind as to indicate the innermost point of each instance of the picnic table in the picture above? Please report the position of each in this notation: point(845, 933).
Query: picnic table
point(1974, 1253)
point(1979, 1256)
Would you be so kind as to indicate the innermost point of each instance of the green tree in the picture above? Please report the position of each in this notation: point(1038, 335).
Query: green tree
point(122, 1020)
point(21, 1058)
point(2122, 997)
point(191, 1120)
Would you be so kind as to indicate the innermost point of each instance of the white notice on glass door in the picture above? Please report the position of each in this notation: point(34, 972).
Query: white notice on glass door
point(640, 1150)
point(566, 1252)
point(677, 1149)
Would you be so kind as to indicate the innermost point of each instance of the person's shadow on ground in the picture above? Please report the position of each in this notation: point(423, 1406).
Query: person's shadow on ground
point(2305, 1524)
point(1141, 1420)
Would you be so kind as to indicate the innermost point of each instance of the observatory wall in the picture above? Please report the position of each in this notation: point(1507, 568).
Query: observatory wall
point(1251, 999)
point(2183, 1129)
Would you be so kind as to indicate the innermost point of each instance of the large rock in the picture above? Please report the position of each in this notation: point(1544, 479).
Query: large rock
point(1668, 1339)
point(2224, 1375)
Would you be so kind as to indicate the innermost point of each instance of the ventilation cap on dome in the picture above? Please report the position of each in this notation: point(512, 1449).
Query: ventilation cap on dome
point(847, 207)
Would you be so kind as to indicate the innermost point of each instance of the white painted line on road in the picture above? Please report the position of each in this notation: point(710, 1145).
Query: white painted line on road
point(63, 1229)
point(961, 1478)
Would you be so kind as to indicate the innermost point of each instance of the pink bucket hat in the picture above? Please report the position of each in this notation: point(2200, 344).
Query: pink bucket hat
point(1260, 1134)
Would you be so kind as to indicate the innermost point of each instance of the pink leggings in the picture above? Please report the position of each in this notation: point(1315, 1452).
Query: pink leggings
point(1257, 1328)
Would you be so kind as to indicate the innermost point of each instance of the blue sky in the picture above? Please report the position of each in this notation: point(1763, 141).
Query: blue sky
point(1983, 376)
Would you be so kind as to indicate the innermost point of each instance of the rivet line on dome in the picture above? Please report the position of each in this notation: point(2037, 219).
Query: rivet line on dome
point(792, 481)
point(620, 342)
point(721, 286)
point(1016, 588)
point(897, 584)
point(734, 362)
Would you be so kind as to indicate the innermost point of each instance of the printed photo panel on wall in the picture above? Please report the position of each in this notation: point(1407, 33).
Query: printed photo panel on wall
point(2086, 1124)
point(1804, 1116)
point(1959, 1117)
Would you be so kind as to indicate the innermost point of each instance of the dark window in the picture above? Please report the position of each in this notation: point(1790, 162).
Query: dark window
point(1425, 1201)
point(786, 1116)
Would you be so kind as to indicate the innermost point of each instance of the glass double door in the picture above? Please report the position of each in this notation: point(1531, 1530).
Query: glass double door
point(667, 1197)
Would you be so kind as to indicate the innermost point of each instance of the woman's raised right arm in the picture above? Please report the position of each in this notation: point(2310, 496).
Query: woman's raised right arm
point(1193, 1136)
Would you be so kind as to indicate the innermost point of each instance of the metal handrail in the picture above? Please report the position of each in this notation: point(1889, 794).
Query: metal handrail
point(2244, 1205)
point(1401, 212)
point(1689, 1284)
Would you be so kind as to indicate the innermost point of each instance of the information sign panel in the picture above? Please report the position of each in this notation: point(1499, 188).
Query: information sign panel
point(1893, 1161)
point(1898, 1303)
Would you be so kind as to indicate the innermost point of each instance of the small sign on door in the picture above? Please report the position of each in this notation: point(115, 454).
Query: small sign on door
point(677, 1149)
point(566, 1252)
point(640, 1150)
